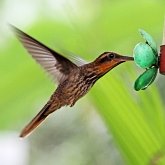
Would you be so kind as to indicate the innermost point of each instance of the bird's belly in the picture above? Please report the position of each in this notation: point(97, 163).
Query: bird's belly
point(75, 91)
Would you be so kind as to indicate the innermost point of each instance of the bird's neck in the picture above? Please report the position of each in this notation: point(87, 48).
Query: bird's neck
point(95, 70)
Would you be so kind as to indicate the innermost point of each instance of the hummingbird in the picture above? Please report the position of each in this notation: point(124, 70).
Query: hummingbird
point(74, 80)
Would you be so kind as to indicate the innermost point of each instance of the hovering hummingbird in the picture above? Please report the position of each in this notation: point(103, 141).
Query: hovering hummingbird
point(74, 81)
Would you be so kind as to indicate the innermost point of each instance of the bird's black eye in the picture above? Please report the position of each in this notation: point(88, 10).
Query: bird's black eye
point(111, 55)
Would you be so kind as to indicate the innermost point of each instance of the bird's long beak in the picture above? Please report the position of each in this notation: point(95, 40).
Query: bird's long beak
point(124, 58)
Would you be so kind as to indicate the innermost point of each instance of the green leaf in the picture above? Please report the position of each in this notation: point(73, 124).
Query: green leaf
point(144, 56)
point(149, 40)
point(145, 79)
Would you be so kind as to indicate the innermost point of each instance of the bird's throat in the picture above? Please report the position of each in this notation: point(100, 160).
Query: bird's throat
point(106, 67)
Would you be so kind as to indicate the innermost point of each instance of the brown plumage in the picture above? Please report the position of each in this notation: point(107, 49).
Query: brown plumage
point(74, 80)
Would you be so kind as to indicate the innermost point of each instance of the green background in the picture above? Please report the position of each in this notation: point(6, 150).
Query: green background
point(112, 124)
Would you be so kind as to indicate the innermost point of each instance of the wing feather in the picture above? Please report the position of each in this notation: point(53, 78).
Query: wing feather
point(55, 64)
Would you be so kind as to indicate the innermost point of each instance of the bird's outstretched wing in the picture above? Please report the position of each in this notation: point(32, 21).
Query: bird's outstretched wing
point(55, 64)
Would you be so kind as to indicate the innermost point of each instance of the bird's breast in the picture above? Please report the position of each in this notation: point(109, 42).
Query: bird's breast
point(77, 86)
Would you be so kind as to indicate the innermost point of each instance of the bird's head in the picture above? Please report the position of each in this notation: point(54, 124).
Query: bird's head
point(108, 60)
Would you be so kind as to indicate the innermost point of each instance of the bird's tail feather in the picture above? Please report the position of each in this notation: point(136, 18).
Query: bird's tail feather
point(40, 117)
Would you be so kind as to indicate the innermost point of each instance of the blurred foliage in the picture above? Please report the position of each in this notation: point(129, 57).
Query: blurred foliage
point(135, 119)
